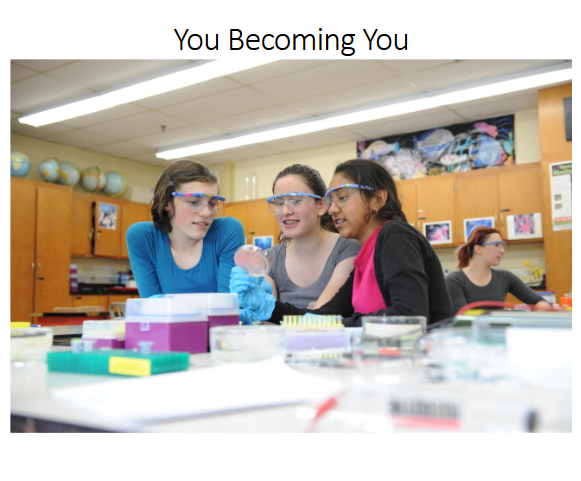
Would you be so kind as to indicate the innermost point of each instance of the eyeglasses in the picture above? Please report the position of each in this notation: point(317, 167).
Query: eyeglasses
point(341, 194)
point(194, 204)
point(296, 202)
point(496, 244)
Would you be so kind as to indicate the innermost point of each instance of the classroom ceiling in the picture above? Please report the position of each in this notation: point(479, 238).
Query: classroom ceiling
point(278, 93)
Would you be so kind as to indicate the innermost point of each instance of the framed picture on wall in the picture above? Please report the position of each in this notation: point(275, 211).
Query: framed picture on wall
point(107, 216)
point(263, 241)
point(524, 226)
point(438, 232)
point(471, 224)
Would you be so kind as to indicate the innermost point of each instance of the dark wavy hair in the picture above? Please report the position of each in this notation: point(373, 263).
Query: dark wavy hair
point(478, 235)
point(177, 173)
point(315, 182)
point(375, 175)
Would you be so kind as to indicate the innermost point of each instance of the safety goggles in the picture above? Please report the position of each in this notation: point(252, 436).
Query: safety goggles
point(296, 202)
point(341, 194)
point(497, 244)
point(197, 202)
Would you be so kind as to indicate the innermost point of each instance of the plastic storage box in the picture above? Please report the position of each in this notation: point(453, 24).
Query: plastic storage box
point(178, 322)
point(105, 333)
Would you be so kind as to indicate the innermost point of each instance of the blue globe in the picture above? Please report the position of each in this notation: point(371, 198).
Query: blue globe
point(68, 175)
point(19, 165)
point(49, 170)
point(115, 184)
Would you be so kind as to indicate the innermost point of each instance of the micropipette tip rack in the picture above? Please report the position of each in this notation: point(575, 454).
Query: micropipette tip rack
point(313, 322)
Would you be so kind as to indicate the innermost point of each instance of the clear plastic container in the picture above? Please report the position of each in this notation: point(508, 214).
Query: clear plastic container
point(254, 260)
point(177, 305)
point(104, 329)
point(246, 343)
point(30, 344)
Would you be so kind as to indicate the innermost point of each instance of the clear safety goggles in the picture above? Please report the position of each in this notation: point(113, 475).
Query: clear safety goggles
point(296, 202)
point(198, 202)
point(496, 244)
point(341, 194)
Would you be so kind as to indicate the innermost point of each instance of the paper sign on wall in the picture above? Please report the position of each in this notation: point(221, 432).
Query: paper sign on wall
point(561, 195)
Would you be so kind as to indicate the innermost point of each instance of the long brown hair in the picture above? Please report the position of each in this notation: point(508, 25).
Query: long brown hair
point(177, 173)
point(478, 235)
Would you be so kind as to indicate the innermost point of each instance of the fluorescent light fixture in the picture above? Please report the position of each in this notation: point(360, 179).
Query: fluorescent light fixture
point(159, 85)
point(532, 79)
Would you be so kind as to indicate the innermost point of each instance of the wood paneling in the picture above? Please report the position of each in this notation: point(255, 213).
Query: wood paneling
point(82, 225)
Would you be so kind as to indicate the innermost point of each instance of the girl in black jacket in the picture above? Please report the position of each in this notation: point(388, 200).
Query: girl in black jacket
point(397, 272)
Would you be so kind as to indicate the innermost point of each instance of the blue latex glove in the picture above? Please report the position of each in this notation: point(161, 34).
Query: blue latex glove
point(254, 296)
point(240, 281)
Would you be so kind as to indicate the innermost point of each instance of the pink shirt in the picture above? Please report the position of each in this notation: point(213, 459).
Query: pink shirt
point(366, 294)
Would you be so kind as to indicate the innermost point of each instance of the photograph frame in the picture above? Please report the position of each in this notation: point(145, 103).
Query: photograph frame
point(471, 224)
point(263, 241)
point(428, 228)
point(108, 216)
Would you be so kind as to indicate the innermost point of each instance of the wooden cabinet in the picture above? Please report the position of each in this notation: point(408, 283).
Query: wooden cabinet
point(40, 240)
point(435, 197)
point(255, 218)
point(99, 225)
point(406, 192)
point(101, 300)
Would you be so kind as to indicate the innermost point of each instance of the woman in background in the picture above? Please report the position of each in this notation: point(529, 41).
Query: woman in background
point(186, 249)
point(397, 272)
point(312, 261)
point(476, 281)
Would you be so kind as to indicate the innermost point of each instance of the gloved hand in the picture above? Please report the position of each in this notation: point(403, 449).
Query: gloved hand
point(254, 296)
point(240, 281)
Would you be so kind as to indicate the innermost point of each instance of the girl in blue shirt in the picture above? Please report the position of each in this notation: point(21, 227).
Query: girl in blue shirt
point(186, 249)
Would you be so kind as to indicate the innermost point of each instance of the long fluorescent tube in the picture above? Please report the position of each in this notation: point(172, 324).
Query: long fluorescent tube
point(159, 85)
point(480, 90)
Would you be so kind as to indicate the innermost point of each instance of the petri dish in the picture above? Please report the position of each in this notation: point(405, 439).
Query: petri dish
point(246, 343)
point(254, 260)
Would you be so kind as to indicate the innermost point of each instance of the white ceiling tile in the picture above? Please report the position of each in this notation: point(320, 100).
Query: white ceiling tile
point(40, 91)
point(382, 91)
point(466, 71)
point(275, 69)
point(137, 125)
point(125, 110)
point(121, 149)
point(495, 109)
point(187, 94)
point(396, 126)
point(324, 79)
point(311, 141)
point(258, 119)
point(409, 66)
point(42, 65)
point(190, 134)
point(79, 138)
point(221, 105)
point(36, 132)
point(233, 155)
point(18, 73)
point(105, 74)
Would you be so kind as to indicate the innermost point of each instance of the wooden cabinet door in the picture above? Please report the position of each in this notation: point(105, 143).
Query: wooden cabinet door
point(82, 225)
point(406, 192)
point(101, 300)
point(238, 210)
point(131, 213)
point(107, 229)
point(436, 200)
point(53, 248)
point(476, 196)
point(22, 243)
point(261, 222)
point(519, 191)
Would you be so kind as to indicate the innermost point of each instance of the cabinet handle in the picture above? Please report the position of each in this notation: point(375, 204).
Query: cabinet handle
point(98, 236)
point(32, 265)
point(38, 271)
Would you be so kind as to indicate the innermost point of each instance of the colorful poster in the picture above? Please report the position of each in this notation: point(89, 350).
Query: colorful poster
point(471, 224)
point(524, 226)
point(561, 195)
point(264, 241)
point(107, 216)
point(454, 148)
point(438, 232)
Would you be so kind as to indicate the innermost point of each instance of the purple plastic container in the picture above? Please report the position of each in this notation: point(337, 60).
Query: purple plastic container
point(110, 343)
point(179, 336)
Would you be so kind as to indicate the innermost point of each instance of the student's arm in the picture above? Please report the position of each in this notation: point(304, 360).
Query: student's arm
point(140, 248)
point(524, 293)
point(340, 275)
point(456, 291)
point(230, 238)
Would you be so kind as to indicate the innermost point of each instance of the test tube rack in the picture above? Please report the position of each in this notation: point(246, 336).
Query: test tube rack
point(312, 322)
point(117, 362)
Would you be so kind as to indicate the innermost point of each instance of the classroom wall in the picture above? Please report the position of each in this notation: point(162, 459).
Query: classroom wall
point(141, 178)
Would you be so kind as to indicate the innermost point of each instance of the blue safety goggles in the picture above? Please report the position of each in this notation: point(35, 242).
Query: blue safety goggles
point(340, 193)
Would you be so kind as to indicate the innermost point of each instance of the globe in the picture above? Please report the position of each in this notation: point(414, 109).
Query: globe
point(19, 165)
point(49, 169)
point(68, 175)
point(93, 179)
point(115, 184)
